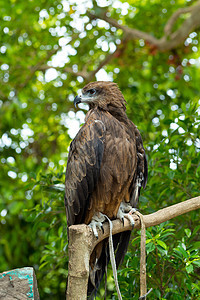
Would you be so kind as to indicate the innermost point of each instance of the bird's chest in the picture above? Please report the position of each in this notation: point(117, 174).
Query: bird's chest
point(116, 175)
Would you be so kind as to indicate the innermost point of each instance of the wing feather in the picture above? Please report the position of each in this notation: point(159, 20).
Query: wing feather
point(141, 172)
point(83, 169)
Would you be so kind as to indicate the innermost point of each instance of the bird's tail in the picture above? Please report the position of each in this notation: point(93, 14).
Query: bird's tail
point(99, 265)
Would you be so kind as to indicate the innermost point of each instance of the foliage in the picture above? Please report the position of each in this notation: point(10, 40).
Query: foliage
point(48, 51)
point(171, 264)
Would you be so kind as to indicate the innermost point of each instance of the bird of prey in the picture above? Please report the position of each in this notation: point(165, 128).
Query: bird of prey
point(106, 169)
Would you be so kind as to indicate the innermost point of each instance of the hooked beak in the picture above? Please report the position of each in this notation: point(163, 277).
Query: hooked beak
point(77, 100)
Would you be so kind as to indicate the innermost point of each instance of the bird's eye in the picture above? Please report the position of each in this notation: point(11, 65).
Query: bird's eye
point(92, 91)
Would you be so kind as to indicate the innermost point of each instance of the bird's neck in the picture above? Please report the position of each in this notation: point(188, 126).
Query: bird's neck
point(119, 113)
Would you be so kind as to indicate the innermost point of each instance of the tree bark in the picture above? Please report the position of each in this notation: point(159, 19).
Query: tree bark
point(80, 245)
point(82, 242)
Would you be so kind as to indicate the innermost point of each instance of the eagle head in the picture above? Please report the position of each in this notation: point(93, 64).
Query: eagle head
point(102, 94)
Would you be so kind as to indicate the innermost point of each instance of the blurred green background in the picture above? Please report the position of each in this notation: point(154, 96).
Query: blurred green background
point(48, 51)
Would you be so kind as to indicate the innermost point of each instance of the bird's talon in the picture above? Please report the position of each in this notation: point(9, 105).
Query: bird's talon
point(96, 223)
point(126, 211)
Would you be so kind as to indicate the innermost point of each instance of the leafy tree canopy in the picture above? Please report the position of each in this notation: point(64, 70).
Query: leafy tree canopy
point(48, 51)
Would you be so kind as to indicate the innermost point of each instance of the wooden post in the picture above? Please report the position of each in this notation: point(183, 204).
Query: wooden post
point(80, 237)
point(19, 284)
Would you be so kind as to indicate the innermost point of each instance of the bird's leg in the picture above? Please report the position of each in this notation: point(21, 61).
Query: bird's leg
point(125, 211)
point(97, 222)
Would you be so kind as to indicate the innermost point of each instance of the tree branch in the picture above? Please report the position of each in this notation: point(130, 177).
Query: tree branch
point(88, 76)
point(82, 242)
point(175, 16)
point(169, 40)
point(65, 69)
point(37, 67)
point(130, 32)
point(41, 66)
point(104, 62)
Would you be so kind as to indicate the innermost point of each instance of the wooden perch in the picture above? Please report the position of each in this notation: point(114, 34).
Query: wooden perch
point(19, 284)
point(82, 241)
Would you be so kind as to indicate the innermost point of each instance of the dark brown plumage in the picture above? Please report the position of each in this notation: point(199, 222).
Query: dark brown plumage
point(106, 165)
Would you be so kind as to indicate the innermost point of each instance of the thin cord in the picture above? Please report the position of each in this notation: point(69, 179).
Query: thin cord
point(143, 292)
point(143, 279)
point(106, 275)
point(112, 259)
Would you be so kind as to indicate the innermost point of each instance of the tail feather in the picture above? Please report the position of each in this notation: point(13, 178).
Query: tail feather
point(96, 274)
point(122, 247)
point(120, 244)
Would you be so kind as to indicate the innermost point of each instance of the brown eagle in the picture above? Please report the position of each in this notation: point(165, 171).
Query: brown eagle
point(105, 171)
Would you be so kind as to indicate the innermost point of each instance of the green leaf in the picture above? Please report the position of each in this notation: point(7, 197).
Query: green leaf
point(183, 252)
point(162, 244)
point(161, 250)
point(189, 268)
point(196, 262)
point(188, 232)
point(196, 245)
point(150, 247)
point(148, 234)
point(43, 265)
